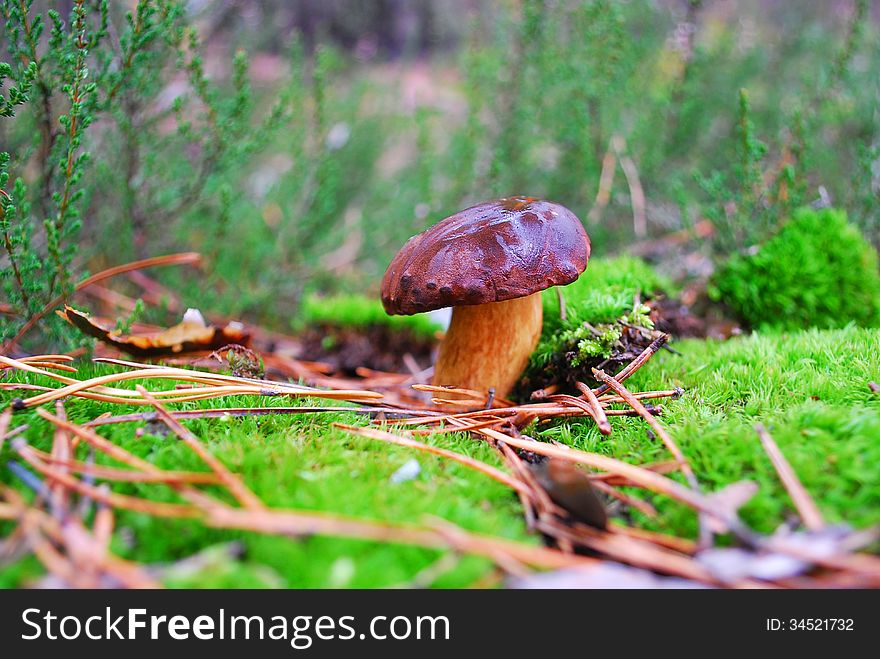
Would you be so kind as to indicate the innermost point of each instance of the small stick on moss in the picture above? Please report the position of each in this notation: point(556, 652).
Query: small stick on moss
point(598, 411)
point(636, 363)
point(626, 499)
point(297, 524)
point(155, 508)
point(641, 477)
point(128, 476)
point(642, 395)
point(407, 442)
point(634, 402)
point(235, 486)
point(236, 412)
point(804, 503)
point(686, 469)
point(665, 467)
point(456, 428)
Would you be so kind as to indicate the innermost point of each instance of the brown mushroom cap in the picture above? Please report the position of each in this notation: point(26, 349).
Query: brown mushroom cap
point(495, 251)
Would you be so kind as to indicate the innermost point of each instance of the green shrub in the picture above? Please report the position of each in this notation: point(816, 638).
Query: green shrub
point(817, 271)
point(605, 317)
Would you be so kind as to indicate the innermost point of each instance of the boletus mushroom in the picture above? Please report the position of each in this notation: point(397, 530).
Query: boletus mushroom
point(490, 263)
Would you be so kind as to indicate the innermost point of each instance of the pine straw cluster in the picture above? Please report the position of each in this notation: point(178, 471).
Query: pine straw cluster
point(53, 525)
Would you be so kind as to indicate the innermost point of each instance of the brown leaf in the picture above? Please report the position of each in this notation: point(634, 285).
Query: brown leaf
point(191, 335)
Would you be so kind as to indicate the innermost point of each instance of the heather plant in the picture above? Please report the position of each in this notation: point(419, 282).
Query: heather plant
point(172, 143)
point(763, 181)
point(40, 222)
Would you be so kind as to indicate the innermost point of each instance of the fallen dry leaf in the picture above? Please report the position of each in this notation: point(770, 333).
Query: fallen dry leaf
point(191, 335)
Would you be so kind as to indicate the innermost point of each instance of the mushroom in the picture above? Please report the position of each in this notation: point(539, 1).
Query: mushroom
point(490, 263)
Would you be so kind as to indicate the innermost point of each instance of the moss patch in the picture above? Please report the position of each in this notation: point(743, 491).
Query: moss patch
point(809, 388)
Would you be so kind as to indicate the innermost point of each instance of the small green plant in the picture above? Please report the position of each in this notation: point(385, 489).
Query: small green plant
point(601, 316)
point(817, 271)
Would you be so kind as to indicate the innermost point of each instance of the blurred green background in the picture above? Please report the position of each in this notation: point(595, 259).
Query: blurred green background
point(298, 144)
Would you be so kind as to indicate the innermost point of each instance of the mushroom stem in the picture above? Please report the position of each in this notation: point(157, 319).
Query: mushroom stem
point(488, 345)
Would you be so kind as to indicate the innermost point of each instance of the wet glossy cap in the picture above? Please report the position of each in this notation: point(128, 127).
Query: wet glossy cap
point(496, 251)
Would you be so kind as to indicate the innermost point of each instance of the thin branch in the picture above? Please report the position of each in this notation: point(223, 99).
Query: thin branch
point(804, 503)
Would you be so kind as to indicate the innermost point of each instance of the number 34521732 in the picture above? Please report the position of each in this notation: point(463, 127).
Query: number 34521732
point(809, 624)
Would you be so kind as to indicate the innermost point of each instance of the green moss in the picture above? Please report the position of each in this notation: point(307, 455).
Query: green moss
point(818, 271)
point(290, 461)
point(601, 306)
point(811, 391)
point(359, 311)
point(809, 388)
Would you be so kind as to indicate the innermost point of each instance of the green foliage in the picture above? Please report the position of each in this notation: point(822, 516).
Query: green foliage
point(313, 179)
point(168, 151)
point(763, 182)
point(605, 302)
point(747, 211)
point(359, 311)
point(38, 270)
point(817, 271)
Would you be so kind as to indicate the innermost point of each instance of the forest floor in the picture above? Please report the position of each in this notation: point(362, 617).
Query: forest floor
point(811, 389)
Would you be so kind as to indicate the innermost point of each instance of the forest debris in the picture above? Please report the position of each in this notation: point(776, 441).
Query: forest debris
point(804, 503)
point(191, 258)
point(80, 557)
point(242, 361)
point(732, 564)
point(571, 489)
point(190, 335)
point(238, 489)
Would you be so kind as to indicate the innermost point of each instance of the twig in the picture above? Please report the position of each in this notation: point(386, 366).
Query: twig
point(606, 181)
point(636, 404)
point(636, 192)
point(282, 522)
point(686, 469)
point(637, 363)
point(477, 465)
point(235, 486)
point(804, 503)
point(627, 499)
point(5, 419)
point(155, 508)
point(236, 412)
point(598, 412)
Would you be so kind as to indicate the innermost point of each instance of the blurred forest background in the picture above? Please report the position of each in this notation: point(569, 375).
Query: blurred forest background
point(296, 145)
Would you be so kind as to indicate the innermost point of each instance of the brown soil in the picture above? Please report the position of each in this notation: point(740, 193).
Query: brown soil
point(377, 347)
